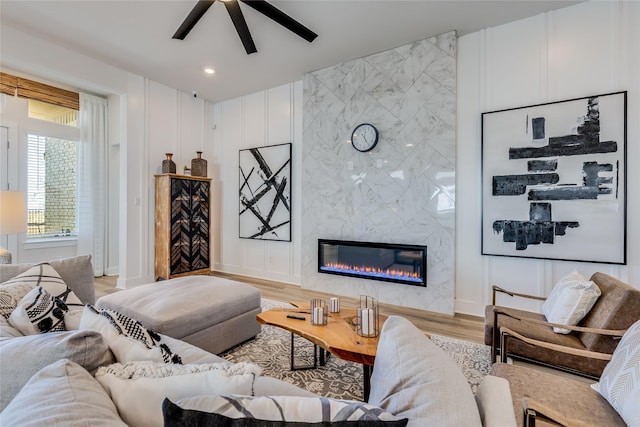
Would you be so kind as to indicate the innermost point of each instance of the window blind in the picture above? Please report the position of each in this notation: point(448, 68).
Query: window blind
point(25, 88)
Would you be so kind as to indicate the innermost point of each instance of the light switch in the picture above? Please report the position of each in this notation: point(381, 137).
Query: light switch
point(350, 165)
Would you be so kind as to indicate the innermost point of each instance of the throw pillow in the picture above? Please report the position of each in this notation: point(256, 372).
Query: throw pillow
point(413, 378)
point(10, 296)
point(61, 394)
point(127, 338)
point(45, 276)
point(127, 383)
point(570, 300)
point(24, 356)
point(620, 380)
point(8, 331)
point(39, 312)
point(274, 411)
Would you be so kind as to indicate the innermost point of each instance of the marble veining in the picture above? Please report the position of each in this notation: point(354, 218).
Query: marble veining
point(403, 191)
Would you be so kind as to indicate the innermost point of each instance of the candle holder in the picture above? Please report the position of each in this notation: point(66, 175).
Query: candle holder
point(319, 311)
point(368, 317)
point(334, 305)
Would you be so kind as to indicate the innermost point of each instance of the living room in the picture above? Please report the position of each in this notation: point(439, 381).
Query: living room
point(421, 185)
point(533, 60)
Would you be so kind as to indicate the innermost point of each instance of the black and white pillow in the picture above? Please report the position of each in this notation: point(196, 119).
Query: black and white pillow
point(127, 338)
point(39, 312)
point(235, 410)
point(45, 276)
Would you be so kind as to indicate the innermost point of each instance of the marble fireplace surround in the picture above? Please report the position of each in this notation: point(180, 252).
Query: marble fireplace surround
point(403, 191)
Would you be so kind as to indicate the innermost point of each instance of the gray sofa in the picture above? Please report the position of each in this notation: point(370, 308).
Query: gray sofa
point(412, 377)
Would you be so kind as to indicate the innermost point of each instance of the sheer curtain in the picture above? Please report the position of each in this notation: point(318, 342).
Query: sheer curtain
point(92, 180)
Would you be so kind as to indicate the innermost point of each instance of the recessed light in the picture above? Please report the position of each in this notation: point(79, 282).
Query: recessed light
point(209, 70)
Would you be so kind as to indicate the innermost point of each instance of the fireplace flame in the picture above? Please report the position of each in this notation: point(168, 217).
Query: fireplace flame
point(372, 271)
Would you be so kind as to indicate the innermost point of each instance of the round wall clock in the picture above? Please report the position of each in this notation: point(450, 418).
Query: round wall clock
point(364, 137)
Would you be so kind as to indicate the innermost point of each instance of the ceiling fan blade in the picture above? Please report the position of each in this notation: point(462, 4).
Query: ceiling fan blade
point(241, 26)
point(282, 18)
point(192, 19)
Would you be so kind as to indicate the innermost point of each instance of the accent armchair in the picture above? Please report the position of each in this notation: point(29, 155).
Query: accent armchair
point(528, 336)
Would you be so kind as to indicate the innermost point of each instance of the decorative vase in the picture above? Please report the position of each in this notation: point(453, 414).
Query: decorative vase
point(168, 165)
point(199, 165)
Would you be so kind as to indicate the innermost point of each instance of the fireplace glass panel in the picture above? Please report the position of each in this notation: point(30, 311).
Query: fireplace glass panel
point(398, 263)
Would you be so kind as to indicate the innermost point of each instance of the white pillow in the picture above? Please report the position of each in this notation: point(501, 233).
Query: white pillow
point(219, 410)
point(620, 380)
point(138, 388)
point(127, 338)
point(570, 301)
point(39, 312)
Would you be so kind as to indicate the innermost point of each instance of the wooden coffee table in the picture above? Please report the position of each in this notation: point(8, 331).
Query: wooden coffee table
point(338, 336)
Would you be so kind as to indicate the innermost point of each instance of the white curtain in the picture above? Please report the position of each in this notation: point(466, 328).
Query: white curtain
point(92, 180)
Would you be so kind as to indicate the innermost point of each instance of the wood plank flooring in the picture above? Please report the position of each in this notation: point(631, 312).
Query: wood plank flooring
point(460, 326)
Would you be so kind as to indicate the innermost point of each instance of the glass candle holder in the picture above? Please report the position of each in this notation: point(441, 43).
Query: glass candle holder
point(368, 319)
point(319, 312)
point(334, 305)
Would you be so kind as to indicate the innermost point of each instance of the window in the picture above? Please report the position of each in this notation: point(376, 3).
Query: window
point(51, 187)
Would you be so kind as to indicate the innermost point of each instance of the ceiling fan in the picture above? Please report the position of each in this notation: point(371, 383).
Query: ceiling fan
point(233, 7)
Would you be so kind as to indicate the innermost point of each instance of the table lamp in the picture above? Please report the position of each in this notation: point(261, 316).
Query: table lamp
point(13, 218)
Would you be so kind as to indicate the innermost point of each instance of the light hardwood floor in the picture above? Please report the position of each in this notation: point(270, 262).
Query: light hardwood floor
point(460, 326)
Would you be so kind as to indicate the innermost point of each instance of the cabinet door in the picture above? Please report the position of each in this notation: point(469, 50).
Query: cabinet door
point(199, 225)
point(180, 257)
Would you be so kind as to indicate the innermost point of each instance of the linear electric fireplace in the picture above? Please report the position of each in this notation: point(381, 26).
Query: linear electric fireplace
point(405, 264)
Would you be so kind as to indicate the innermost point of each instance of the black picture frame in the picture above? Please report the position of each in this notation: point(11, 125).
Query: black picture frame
point(554, 181)
point(265, 193)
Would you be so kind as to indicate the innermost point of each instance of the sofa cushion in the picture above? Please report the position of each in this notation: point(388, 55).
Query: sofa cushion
point(620, 380)
point(413, 378)
point(76, 272)
point(570, 300)
point(39, 312)
point(126, 337)
point(275, 411)
point(24, 356)
point(61, 394)
point(138, 388)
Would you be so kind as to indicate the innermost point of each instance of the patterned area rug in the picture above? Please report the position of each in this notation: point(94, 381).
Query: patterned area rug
point(338, 378)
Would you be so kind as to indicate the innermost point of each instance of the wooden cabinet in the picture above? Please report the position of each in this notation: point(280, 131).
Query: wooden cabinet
point(183, 221)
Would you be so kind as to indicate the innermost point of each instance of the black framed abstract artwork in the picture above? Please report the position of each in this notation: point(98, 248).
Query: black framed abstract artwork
point(265, 193)
point(554, 180)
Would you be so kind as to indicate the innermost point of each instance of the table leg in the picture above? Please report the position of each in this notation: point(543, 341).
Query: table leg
point(367, 370)
point(315, 357)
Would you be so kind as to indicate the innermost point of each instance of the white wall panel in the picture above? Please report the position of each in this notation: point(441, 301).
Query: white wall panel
point(581, 50)
point(259, 119)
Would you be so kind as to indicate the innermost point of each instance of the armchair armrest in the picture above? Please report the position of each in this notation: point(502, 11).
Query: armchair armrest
point(534, 410)
point(506, 332)
point(496, 288)
point(611, 332)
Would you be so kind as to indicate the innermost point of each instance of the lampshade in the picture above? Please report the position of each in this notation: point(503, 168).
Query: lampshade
point(13, 212)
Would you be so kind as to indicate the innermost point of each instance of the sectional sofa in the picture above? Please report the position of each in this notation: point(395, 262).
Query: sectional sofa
point(413, 383)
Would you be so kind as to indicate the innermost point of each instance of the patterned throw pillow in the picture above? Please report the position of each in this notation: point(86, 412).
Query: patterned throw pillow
point(275, 410)
point(39, 312)
point(620, 380)
point(127, 338)
point(570, 300)
point(45, 276)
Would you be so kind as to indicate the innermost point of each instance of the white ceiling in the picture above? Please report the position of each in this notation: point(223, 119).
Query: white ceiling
point(136, 35)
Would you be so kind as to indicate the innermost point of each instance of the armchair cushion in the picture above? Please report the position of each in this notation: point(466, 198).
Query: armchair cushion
point(575, 402)
point(570, 301)
point(620, 380)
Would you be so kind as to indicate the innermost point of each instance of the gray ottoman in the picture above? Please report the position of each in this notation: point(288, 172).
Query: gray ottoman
point(212, 313)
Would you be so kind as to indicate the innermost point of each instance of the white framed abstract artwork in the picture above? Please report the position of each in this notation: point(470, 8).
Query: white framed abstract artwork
point(265, 193)
point(554, 180)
